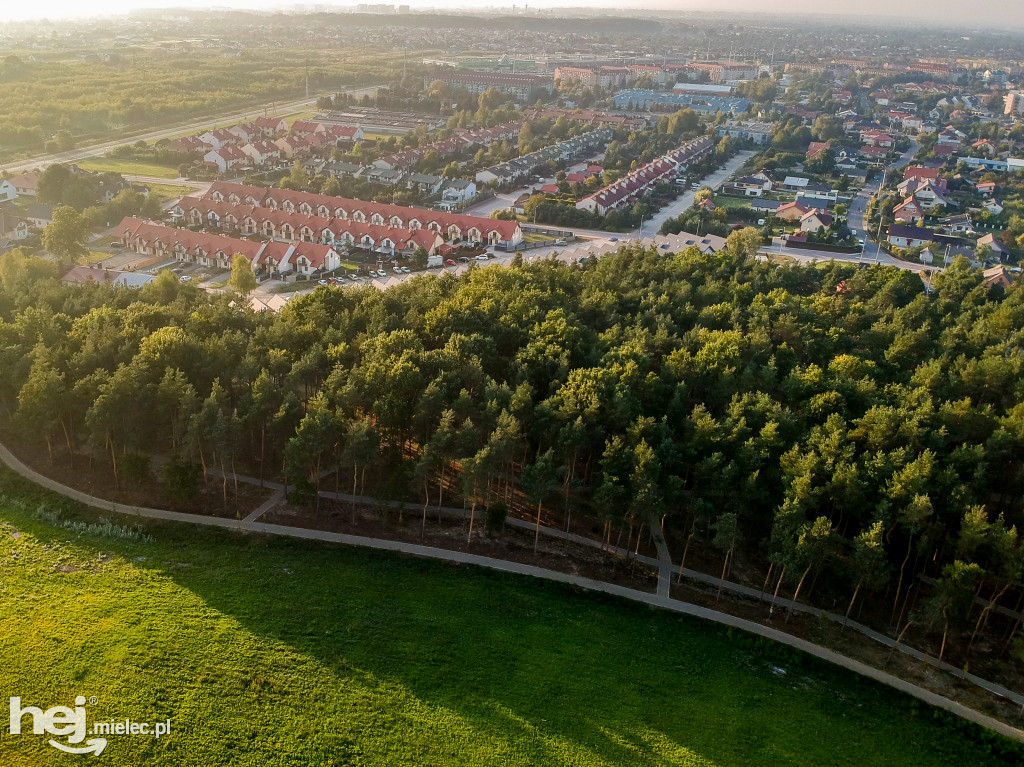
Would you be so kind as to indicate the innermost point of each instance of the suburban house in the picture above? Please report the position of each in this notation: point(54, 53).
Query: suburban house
point(815, 220)
point(12, 227)
point(228, 156)
point(270, 127)
point(994, 207)
point(457, 191)
point(39, 215)
point(25, 184)
point(83, 275)
point(909, 236)
point(7, 191)
point(997, 276)
point(792, 211)
point(873, 137)
point(958, 224)
point(748, 186)
point(987, 188)
point(263, 152)
point(816, 149)
point(910, 211)
point(993, 243)
point(218, 138)
point(188, 145)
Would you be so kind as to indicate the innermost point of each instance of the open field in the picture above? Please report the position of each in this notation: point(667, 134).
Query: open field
point(274, 652)
point(131, 167)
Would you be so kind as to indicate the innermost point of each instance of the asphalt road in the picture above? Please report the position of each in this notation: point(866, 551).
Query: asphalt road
point(857, 216)
point(714, 181)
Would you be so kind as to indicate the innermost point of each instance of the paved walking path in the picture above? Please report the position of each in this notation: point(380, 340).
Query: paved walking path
point(655, 600)
point(666, 569)
point(273, 501)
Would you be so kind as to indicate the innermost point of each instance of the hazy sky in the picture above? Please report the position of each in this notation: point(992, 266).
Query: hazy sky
point(995, 13)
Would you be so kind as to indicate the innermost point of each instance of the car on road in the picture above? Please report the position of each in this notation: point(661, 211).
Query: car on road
point(613, 239)
point(464, 259)
point(559, 242)
point(116, 245)
point(405, 270)
point(449, 262)
point(184, 278)
point(332, 280)
point(321, 282)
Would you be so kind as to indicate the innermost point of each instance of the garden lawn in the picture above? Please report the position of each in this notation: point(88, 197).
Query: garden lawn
point(130, 167)
point(273, 652)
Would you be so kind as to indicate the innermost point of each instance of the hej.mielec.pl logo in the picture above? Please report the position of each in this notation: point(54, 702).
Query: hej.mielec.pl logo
point(71, 726)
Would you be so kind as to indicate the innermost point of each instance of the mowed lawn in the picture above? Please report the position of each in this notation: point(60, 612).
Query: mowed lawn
point(130, 167)
point(269, 652)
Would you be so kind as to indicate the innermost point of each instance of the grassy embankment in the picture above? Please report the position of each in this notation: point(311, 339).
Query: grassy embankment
point(274, 652)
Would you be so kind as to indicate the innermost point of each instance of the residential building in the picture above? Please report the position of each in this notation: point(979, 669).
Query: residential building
point(759, 133)
point(909, 236)
point(7, 191)
point(39, 215)
point(25, 184)
point(225, 158)
point(519, 86)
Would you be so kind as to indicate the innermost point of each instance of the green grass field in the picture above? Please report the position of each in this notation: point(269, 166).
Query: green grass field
point(131, 167)
point(280, 653)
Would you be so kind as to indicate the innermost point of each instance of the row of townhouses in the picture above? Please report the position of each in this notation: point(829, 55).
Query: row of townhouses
point(451, 226)
point(633, 185)
point(520, 168)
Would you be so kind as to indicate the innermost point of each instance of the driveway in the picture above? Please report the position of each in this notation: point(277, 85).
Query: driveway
point(714, 181)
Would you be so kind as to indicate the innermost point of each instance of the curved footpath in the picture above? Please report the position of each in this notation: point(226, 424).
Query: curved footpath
point(654, 600)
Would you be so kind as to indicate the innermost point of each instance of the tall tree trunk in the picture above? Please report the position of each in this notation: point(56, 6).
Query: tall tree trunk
point(899, 583)
point(49, 449)
point(686, 549)
point(440, 492)
point(945, 631)
point(113, 462)
point(426, 502)
point(316, 468)
point(767, 578)
point(796, 594)
point(722, 579)
point(896, 646)
point(846, 619)
point(355, 480)
point(67, 438)
point(771, 608)
point(263, 443)
point(536, 532)
point(472, 519)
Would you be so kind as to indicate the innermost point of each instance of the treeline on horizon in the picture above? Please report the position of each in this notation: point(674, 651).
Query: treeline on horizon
point(839, 429)
point(87, 96)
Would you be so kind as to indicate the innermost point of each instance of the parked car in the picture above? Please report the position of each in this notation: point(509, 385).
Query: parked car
point(321, 282)
point(559, 242)
point(464, 259)
point(352, 277)
point(481, 258)
point(185, 278)
point(397, 269)
point(405, 269)
point(449, 262)
point(332, 280)
point(116, 245)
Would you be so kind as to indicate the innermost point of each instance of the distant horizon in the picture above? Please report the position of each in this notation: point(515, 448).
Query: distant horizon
point(1007, 15)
